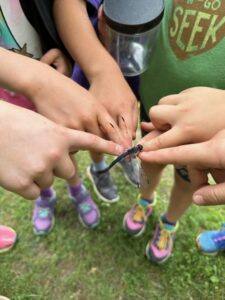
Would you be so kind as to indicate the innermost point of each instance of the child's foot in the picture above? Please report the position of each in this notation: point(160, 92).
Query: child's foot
point(131, 170)
point(134, 221)
point(103, 185)
point(43, 214)
point(88, 211)
point(7, 238)
point(211, 242)
point(160, 247)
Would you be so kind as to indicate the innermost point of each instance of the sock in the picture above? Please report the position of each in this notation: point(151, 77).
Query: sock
point(47, 193)
point(146, 202)
point(75, 190)
point(99, 166)
point(165, 221)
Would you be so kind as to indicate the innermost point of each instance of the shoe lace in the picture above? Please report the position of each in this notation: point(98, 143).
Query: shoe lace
point(219, 238)
point(43, 212)
point(139, 214)
point(162, 239)
point(85, 207)
point(140, 211)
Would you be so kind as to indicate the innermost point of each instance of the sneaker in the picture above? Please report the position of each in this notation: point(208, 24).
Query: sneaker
point(131, 170)
point(89, 214)
point(8, 238)
point(103, 185)
point(160, 247)
point(43, 215)
point(211, 242)
point(134, 221)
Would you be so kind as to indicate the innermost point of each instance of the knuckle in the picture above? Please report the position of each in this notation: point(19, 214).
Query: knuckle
point(92, 140)
point(54, 154)
point(188, 129)
point(163, 100)
point(40, 168)
point(23, 183)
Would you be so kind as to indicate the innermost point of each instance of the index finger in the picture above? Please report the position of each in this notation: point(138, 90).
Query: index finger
point(86, 141)
point(171, 138)
point(194, 155)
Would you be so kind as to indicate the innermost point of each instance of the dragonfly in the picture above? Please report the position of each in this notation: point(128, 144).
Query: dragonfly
point(129, 154)
point(132, 152)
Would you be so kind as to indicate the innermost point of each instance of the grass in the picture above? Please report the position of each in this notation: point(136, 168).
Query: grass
point(73, 263)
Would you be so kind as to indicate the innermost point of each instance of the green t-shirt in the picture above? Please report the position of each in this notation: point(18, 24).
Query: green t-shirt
point(189, 51)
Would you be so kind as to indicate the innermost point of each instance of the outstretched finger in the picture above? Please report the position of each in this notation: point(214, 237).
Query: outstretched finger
point(150, 136)
point(193, 155)
point(31, 192)
point(210, 195)
point(86, 141)
point(111, 129)
point(65, 168)
point(127, 134)
point(170, 138)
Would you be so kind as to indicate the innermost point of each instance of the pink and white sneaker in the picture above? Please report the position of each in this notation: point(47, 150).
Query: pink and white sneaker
point(160, 247)
point(8, 238)
point(135, 219)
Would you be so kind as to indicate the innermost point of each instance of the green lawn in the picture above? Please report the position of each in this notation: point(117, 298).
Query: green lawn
point(106, 264)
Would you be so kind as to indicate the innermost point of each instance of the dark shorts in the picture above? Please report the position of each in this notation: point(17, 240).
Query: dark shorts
point(181, 171)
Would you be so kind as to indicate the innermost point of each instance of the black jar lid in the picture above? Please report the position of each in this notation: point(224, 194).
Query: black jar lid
point(133, 16)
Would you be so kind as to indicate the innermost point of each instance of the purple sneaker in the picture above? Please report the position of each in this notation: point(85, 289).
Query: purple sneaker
point(88, 211)
point(43, 215)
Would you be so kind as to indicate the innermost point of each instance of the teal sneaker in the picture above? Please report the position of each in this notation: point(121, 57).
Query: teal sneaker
point(211, 242)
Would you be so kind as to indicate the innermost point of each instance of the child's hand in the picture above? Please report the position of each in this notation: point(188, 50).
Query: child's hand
point(194, 115)
point(58, 60)
point(34, 149)
point(112, 91)
point(202, 158)
point(63, 101)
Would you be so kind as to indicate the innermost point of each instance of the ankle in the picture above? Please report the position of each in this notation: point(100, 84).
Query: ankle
point(165, 220)
point(99, 166)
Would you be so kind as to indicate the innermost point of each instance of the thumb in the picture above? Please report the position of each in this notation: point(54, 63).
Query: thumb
point(79, 140)
point(210, 195)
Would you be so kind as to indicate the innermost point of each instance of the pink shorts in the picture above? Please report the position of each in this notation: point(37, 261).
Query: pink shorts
point(16, 99)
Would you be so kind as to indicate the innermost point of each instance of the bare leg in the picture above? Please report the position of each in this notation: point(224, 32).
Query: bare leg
point(150, 180)
point(96, 156)
point(180, 200)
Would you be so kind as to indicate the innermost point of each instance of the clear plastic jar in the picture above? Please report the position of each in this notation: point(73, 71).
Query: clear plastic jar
point(131, 51)
point(130, 32)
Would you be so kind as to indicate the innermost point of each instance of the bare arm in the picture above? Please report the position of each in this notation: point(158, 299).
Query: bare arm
point(107, 83)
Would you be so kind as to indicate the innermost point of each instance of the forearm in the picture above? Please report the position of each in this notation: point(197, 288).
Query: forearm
point(79, 37)
point(22, 74)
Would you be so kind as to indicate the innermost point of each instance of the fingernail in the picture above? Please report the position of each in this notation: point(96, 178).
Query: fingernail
point(198, 199)
point(119, 149)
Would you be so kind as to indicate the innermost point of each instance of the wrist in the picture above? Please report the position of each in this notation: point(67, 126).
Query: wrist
point(101, 67)
point(40, 79)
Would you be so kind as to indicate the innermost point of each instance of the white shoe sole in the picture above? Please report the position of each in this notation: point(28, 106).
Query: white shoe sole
point(96, 190)
point(205, 253)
